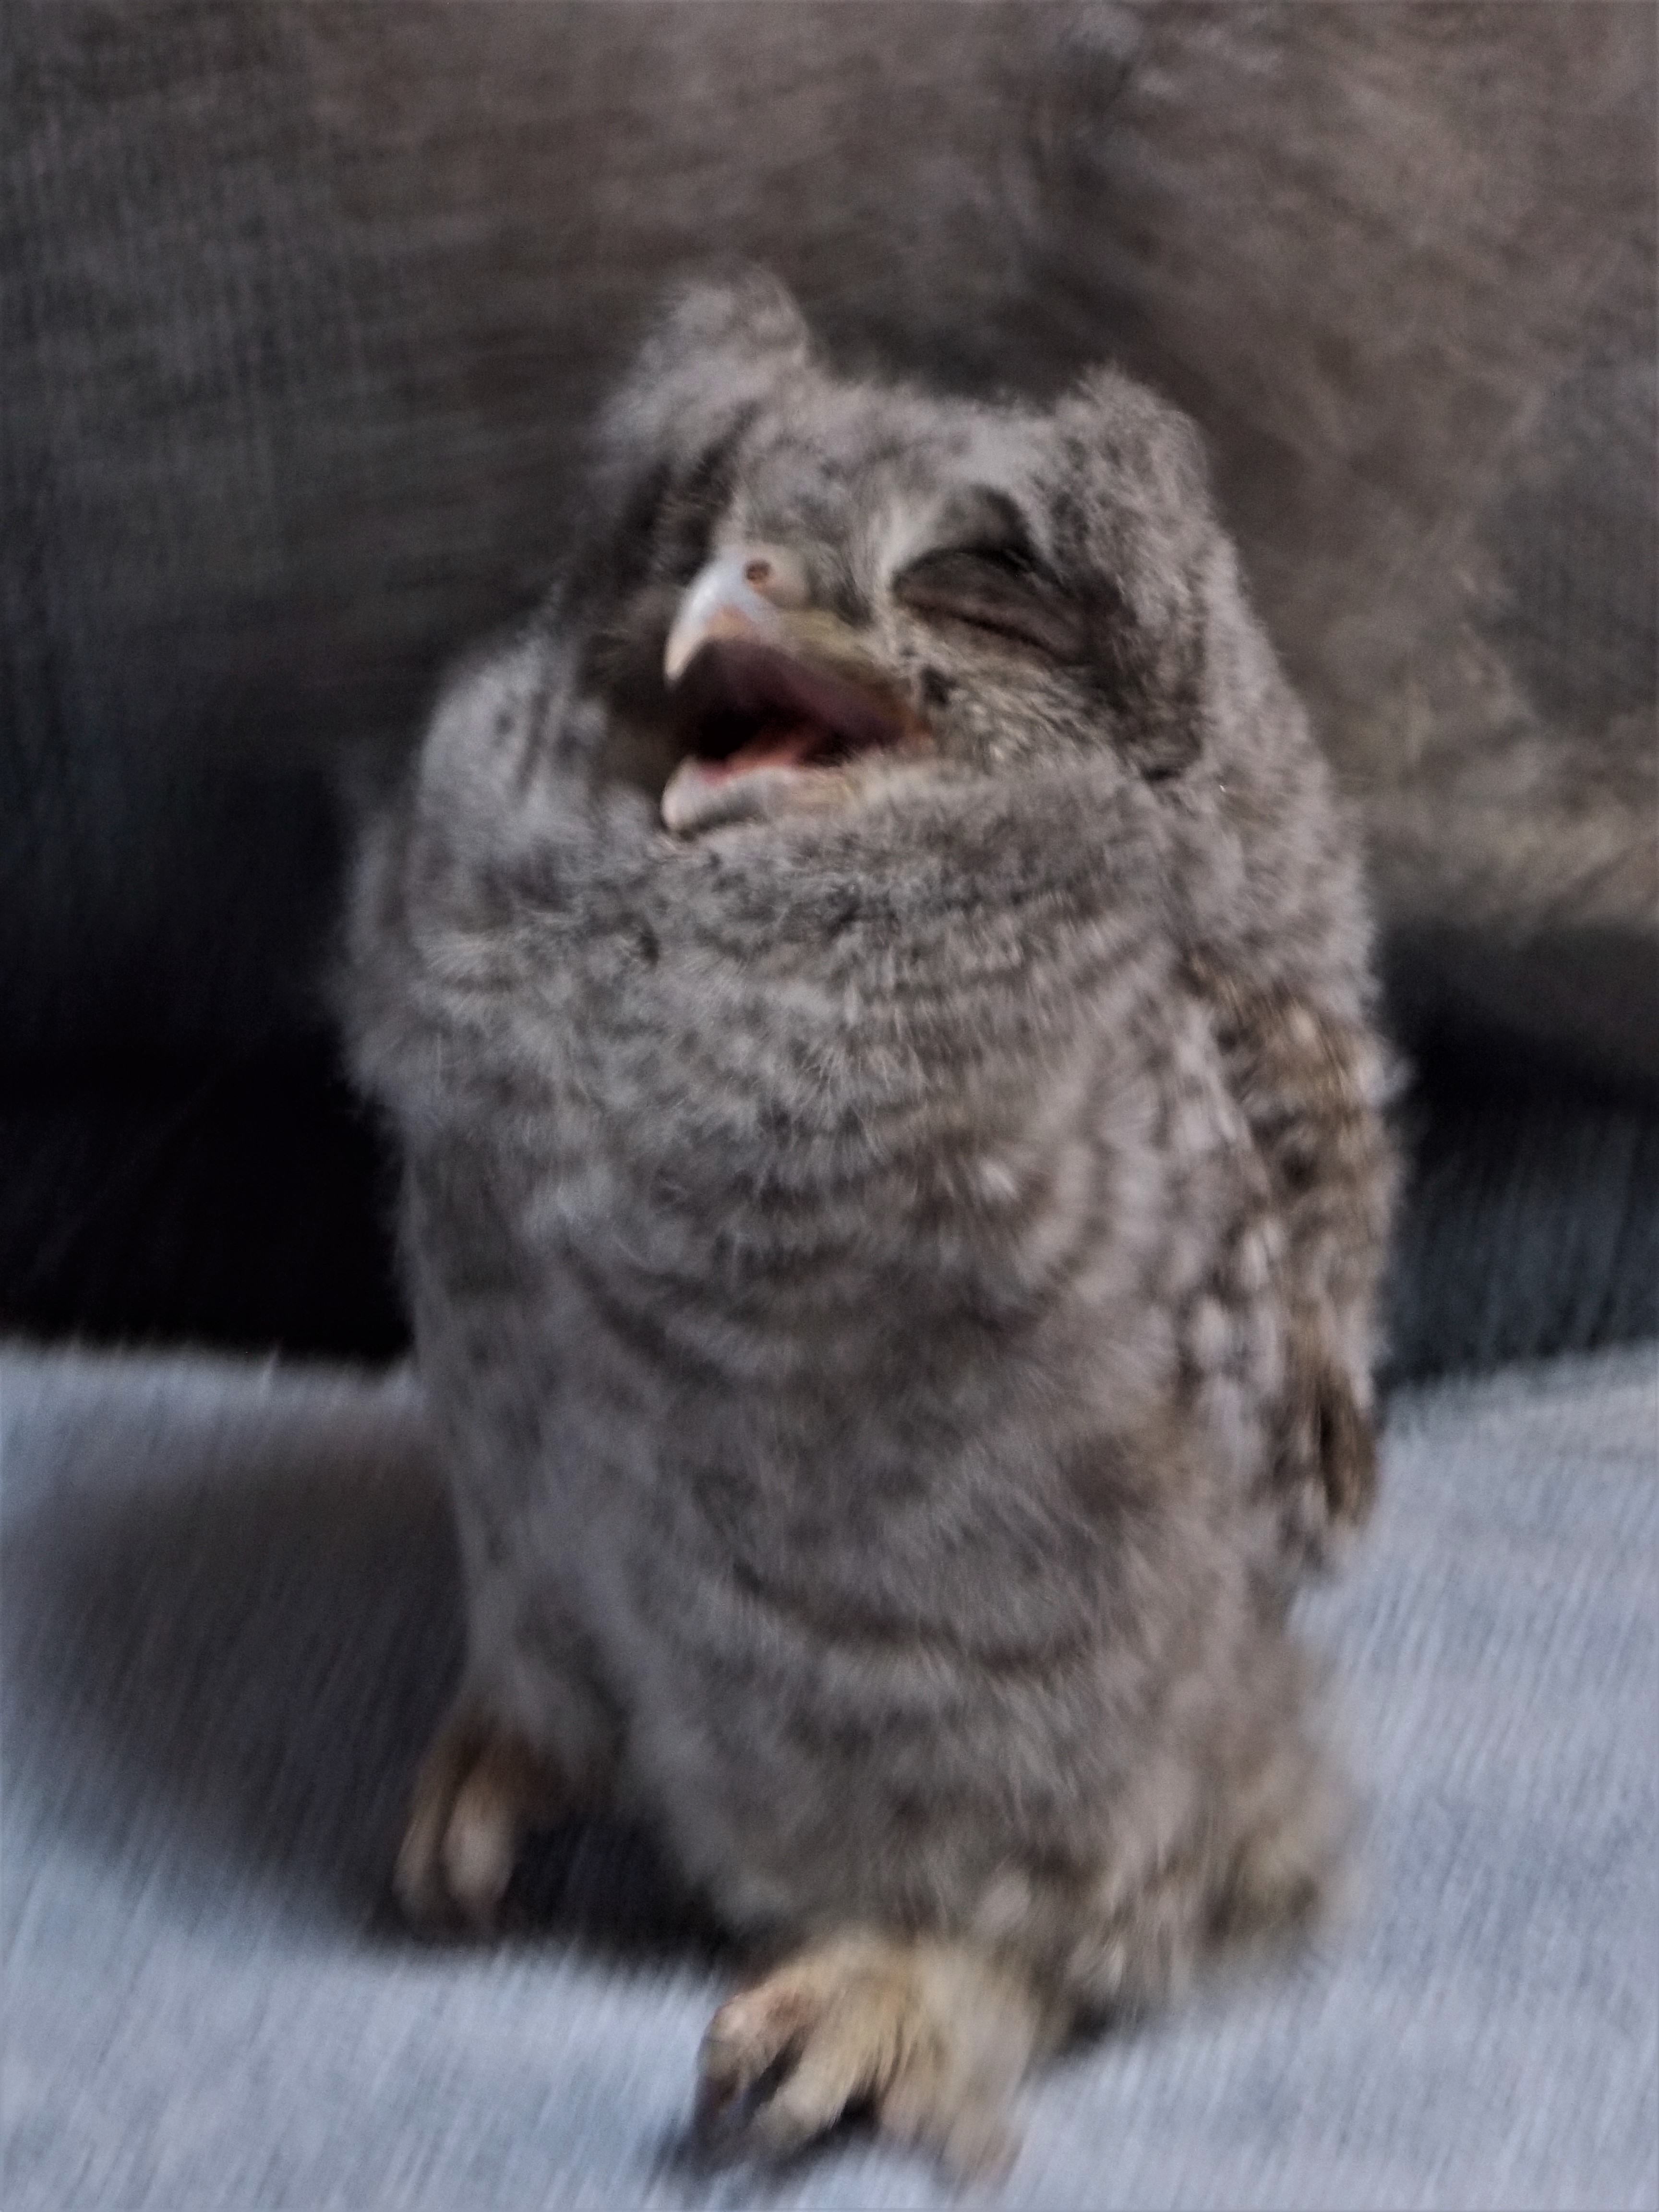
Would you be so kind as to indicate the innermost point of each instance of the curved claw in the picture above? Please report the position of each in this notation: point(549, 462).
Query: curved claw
point(931, 2037)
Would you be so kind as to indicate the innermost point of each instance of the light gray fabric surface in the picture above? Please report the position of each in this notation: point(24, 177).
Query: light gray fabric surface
point(228, 1617)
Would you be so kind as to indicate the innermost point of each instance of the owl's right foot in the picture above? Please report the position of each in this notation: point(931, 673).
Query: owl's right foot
point(480, 1791)
point(929, 2036)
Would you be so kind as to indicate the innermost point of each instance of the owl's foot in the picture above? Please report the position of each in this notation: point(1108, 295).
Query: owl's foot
point(930, 2036)
point(479, 1791)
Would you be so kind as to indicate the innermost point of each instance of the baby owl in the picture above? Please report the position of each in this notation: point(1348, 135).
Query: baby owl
point(871, 990)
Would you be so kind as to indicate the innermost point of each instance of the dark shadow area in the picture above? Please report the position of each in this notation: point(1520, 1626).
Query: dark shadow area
point(609, 1886)
point(245, 1204)
point(1530, 1218)
point(230, 1630)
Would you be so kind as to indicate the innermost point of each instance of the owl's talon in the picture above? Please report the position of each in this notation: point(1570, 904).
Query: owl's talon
point(933, 2039)
point(479, 1791)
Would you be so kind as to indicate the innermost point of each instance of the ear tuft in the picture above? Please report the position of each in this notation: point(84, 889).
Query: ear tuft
point(715, 349)
point(1131, 426)
point(748, 315)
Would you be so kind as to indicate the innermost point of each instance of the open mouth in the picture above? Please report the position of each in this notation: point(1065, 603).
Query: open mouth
point(753, 720)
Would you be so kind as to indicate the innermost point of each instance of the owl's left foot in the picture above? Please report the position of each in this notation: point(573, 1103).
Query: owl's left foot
point(932, 2037)
point(480, 1791)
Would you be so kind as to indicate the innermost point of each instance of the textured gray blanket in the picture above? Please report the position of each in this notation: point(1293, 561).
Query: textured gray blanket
point(229, 1617)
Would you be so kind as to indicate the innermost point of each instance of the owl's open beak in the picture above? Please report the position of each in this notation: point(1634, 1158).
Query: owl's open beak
point(766, 689)
point(743, 593)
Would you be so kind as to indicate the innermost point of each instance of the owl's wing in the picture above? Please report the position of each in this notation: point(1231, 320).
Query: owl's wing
point(1312, 1086)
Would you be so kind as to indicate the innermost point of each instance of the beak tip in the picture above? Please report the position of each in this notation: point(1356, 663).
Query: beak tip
point(722, 602)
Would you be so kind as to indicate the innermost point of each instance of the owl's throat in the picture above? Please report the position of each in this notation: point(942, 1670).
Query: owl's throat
point(753, 720)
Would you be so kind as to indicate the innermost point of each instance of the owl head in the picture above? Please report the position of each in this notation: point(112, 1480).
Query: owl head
point(807, 587)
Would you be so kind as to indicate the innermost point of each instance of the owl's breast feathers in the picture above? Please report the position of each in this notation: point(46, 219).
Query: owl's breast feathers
point(806, 1170)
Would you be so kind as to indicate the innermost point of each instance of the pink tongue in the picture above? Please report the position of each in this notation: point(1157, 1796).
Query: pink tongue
point(781, 745)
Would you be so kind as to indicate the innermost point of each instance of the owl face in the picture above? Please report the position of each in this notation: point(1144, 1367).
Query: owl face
point(818, 588)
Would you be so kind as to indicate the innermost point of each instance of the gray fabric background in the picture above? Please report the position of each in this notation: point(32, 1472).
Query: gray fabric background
point(307, 302)
point(228, 1618)
point(303, 304)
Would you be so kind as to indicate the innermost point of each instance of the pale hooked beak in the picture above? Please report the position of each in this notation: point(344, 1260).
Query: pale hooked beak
point(742, 593)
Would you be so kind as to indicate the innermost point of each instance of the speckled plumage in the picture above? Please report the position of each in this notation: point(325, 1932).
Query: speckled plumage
point(892, 1275)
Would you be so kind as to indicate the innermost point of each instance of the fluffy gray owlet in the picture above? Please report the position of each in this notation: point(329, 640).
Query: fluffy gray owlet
point(873, 991)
